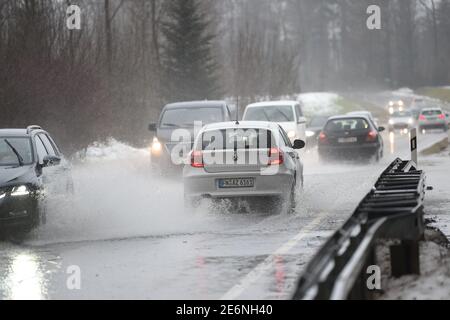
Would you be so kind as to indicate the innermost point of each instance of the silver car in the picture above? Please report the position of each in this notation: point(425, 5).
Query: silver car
point(244, 160)
point(401, 120)
point(432, 118)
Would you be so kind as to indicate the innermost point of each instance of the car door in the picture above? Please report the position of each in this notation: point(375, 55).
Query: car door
point(301, 122)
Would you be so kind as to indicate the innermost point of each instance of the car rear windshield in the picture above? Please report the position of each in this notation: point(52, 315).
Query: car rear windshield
point(185, 117)
point(270, 113)
point(23, 147)
point(431, 112)
point(348, 124)
point(230, 139)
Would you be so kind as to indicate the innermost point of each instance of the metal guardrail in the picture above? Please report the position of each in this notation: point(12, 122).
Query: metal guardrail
point(393, 209)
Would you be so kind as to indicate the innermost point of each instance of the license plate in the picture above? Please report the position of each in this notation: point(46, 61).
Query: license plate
point(236, 183)
point(347, 140)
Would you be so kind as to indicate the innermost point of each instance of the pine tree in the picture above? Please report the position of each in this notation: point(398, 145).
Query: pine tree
point(188, 60)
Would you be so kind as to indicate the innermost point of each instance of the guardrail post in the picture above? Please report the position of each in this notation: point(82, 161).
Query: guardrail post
point(405, 258)
point(413, 145)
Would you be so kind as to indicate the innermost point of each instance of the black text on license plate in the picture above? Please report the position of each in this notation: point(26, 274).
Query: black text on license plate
point(347, 140)
point(236, 183)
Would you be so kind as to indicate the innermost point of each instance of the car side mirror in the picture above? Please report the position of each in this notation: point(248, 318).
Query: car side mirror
point(49, 161)
point(152, 127)
point(299, 144)
point(381, 129)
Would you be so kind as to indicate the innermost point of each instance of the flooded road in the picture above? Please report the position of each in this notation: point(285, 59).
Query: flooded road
point(128, 236)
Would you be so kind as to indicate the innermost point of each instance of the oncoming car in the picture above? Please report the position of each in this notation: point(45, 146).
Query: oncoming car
point(314, 128)
point(167, 151)
point(288, 114)
point(350, 137)
point(401, 120)
point(394, 106)
point(30, 162)
point(244, 160)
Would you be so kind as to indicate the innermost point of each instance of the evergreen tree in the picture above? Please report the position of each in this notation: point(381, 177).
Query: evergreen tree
point(188, 60)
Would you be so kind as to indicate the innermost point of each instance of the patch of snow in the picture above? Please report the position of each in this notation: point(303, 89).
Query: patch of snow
point(109, 151)
point(320, 103)
point(432, 284)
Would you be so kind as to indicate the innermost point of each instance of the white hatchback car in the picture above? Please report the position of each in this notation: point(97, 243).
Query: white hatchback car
point(243, 160)
point(288, 114)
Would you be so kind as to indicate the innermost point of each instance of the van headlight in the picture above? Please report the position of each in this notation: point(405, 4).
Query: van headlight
point(310, 134)
point(156, 147)
point(20, 191)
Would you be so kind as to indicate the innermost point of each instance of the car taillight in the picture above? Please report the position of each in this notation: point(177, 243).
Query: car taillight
point(442, 116)
point(275, 157)
point(372, 135)
point(197, 159)
point(323, 137)
point(422, 117)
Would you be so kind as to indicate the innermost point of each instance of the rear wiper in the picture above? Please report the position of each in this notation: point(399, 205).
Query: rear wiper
point(19, 157)
point(169, 125)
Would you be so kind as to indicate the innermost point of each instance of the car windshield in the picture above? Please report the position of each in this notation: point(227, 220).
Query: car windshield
point(270, 113)
point(185, 117)
point(229, 139)
point(401, 114)
point(22, 145)
point(318, 121)
point(348, 124)
point(431, 112)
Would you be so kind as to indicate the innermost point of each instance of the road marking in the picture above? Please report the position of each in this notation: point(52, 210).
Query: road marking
point(261, 268)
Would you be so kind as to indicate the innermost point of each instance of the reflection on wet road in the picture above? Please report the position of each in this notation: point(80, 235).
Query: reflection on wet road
point(148, 248)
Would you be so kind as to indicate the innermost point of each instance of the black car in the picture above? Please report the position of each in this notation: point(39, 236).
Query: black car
point(176, 128)
point(30, 162)
point(351, 137)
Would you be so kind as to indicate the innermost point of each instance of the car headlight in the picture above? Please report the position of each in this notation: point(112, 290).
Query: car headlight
point(2, 194)
point(310, 134)
point(410, 121)
point(20, 191)
point(391, 110)
point(292, 134)
point(156, 147)
point(391, 122)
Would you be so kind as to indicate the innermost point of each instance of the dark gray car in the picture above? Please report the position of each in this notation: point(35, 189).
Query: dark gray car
point(30, 162)
point(183, 118)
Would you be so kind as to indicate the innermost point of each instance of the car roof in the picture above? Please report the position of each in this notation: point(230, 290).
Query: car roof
point(432, 109)
point(242, 124)
point(273, 103)
point(195, 104)
point(14, 132)
point(360, 113)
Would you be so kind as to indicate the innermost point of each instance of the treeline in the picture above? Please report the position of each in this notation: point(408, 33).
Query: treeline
point(131, 56)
